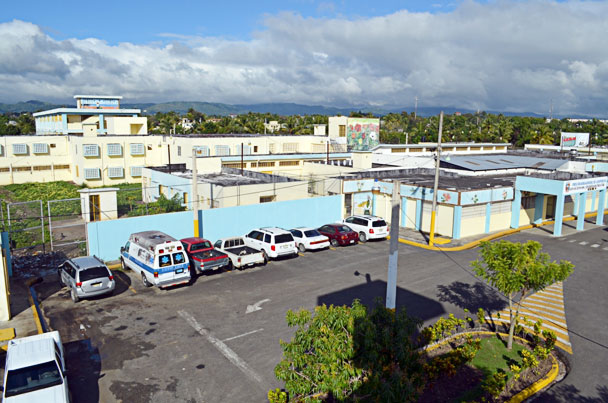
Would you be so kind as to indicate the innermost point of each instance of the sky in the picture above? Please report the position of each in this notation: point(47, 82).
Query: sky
point(500, 55)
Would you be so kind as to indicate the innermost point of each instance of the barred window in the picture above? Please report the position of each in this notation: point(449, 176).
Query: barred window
point(202, 151)
point(92, 173)
point(266, 164)
point(66, 166)
point(271, 148)
point(5, 169)
point(22, 169)
point(116, 172)
point(90, 150)
point(474, 211)
point(137, 149)
point(319, 148)
point(289, 163)
point(20, 149)
point(114, 150)
point(232, 165)
point(136, 171)
point(41, 148)
point(501, 207)
point(290, 147)
point(528, 202)
point(222, 150)
point(42, 168)
point(246, 149)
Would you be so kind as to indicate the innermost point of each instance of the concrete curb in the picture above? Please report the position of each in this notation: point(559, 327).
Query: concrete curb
point(40, 327)
point(530, 390)
point(476, 243)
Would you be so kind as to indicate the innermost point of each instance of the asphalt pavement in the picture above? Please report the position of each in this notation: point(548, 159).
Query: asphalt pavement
point(218, 339)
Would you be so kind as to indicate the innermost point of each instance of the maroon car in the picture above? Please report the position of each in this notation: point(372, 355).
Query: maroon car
point(339, 234)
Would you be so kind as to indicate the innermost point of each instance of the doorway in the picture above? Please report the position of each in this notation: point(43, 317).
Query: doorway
point(94, 210)
point(551, 201)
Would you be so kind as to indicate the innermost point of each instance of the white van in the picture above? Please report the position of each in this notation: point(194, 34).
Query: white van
point(35, 370)
point(159, 259)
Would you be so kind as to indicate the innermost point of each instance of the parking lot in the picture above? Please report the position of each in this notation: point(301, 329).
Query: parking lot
point(218, 339)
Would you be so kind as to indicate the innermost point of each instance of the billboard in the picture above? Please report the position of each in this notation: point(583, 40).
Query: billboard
point(363, 134)
point(584, 185)
point(574, 139)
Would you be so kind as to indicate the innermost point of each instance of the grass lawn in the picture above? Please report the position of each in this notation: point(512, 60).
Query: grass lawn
point(493, 355)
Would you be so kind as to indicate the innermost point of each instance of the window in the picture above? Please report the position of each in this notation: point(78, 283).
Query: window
point(202, 151)
point(289, 163)
point(93, 273)
point(42, 168)
point(296, 233)
point(312, 233)
point(398, 150)
point(1, 150)
point(379, 223)
point(266, 164)
point(179, 151)
point(290, 147)
point(342, 130)
point(136, 171)
point(164, 260)
point(114, 150)
point(246, 149)
point(236, 165)
point(137, 149)
point(185, 197)
point(90, 150)
point(271, 148)
point(267, 238)
point(266, 199)
point(528, 202)
point(40, 148)
point(20, 149)
point(255, 149)
point(22, 169)
point(62, 166)
point(116, 172)
point(201, 245)
point(5, 169)
point(222, 150)
point(92, 173)
point(283, 238)
point(178, 258)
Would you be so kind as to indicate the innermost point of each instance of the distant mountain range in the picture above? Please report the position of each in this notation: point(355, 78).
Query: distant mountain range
point(220, 109)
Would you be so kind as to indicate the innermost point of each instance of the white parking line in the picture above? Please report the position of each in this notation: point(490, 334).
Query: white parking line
point(595, 245)
point(604, 248)
point(241, 335)
point(583, 243)
point(223, 348)
point(572, 240)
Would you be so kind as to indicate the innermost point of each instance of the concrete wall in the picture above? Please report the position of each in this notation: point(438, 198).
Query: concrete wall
point(106, 237)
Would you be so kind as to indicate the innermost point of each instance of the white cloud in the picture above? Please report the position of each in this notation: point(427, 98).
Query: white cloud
point(503, 55)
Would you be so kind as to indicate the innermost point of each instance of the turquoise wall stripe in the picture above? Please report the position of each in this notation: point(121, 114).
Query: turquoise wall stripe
point(580, 220)
point(488, 216)
point(515, 208)
point(599, 220)
point(418, 214)
point(403, 211)
point(559, 215)
point(539, 202)
point(593, 197)
point(457, 222)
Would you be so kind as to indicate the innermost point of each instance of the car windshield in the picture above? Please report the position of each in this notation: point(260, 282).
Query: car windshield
point(29, 379)
point(93, 273)
point(283, 238)
point(164, 260)
point(343, 228)
point(312, 233)
point(379, 223)
point(200, 245)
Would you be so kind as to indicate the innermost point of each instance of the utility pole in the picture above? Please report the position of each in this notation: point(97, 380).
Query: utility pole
point(194, 196)
point(241, 159)
point(169, 153)
point(327, 150)
point(432, 234)
point(393, 252)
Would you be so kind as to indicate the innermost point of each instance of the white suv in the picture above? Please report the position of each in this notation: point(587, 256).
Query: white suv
point(274, 242)
point(35, 370)
point(368, 226)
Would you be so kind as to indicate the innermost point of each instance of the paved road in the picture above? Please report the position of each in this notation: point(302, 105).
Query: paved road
point(199, 343)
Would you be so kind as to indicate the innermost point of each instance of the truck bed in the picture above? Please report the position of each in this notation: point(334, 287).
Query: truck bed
point(242, 250)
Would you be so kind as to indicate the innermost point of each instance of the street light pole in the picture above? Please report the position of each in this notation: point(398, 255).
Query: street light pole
point(436, 185)
point(393, 254)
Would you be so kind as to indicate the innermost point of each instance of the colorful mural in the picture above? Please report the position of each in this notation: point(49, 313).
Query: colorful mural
point(363, 134)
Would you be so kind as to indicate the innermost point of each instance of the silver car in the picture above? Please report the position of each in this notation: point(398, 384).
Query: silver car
point(86, 277)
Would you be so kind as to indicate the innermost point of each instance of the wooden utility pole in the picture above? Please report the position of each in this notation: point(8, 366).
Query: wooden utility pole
point(436, 185)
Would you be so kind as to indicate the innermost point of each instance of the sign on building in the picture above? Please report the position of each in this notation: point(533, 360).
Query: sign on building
point(574, 139)
point(584, 185)
point(363, 134)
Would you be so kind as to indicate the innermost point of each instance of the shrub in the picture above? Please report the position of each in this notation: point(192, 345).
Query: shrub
point(495, 383)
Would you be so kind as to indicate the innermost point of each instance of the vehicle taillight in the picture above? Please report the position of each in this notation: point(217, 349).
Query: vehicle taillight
point(371, 230)
point(79, 284)
point(111, 278)
point(273, 248)
point(343, 237)
point(155, 274)
point(179, 248)
point(161, 251)
point(239, 260)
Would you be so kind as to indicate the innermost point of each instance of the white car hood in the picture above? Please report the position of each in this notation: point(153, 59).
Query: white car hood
point(53, 394)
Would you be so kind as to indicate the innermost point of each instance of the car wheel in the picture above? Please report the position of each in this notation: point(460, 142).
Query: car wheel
point(74, 295)
point(61, 285)
point(302, 248)
point(265, 257)
point(144, 281)
point(362, 237)
point(334, 243)
point(229, 266)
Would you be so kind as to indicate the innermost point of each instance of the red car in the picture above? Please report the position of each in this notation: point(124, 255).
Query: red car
point(339, 234)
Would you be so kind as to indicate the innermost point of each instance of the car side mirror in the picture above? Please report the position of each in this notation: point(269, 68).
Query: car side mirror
point(122, 249)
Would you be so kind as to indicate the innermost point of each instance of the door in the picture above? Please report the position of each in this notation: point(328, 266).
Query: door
point(95, 211)
point(551, 201)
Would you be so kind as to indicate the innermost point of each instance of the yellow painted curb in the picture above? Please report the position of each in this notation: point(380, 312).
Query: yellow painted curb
point(476, 243)
point(530, 390)
point(29, 283)
point(114, 266)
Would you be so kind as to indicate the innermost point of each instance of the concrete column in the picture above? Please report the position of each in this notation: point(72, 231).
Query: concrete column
point(538, 208)
point(64, 123)
point(593, 197)
point(488, 216)
point(418, 214)
point(457, 222)
point(559, 215)
point(599, 220)
point(403, 212)
point(580, 219)
point(374, 200)
point(575, 205)
point(101, 123)
point(516, 208)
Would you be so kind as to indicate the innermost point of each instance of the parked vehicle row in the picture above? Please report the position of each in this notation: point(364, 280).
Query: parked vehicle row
point(163, 261)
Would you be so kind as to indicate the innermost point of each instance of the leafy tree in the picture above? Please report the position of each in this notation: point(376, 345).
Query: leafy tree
point(518, 268)
point(542, 134)
point(346, 353)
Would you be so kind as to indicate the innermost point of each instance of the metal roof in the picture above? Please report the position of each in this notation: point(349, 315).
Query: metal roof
point(500, 161)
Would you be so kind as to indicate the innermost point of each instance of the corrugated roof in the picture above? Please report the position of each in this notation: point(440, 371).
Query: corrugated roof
point(503, 161)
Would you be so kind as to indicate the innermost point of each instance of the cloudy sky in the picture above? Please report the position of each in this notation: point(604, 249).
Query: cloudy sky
point(503, 55)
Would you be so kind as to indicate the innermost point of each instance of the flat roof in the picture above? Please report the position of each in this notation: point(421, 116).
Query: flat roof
point(85, 111)
point(98, 96)
point(490, 162)
point(231, 177)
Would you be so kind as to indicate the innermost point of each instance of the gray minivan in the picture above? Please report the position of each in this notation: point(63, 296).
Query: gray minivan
point(86, 277)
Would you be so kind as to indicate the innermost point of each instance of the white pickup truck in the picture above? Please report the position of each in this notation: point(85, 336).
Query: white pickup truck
point(239, 254)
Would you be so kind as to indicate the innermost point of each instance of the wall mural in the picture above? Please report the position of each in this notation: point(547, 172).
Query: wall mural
point(363, 133)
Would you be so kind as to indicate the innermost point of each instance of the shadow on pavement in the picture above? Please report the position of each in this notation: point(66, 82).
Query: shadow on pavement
point(570, 393)
point(416, 305)
point(84, 370)
point(471, 297)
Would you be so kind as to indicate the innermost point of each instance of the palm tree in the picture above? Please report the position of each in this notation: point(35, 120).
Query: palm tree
point(541, 134)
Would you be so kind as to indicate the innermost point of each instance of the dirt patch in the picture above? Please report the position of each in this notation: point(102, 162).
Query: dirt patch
point(133, 392)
